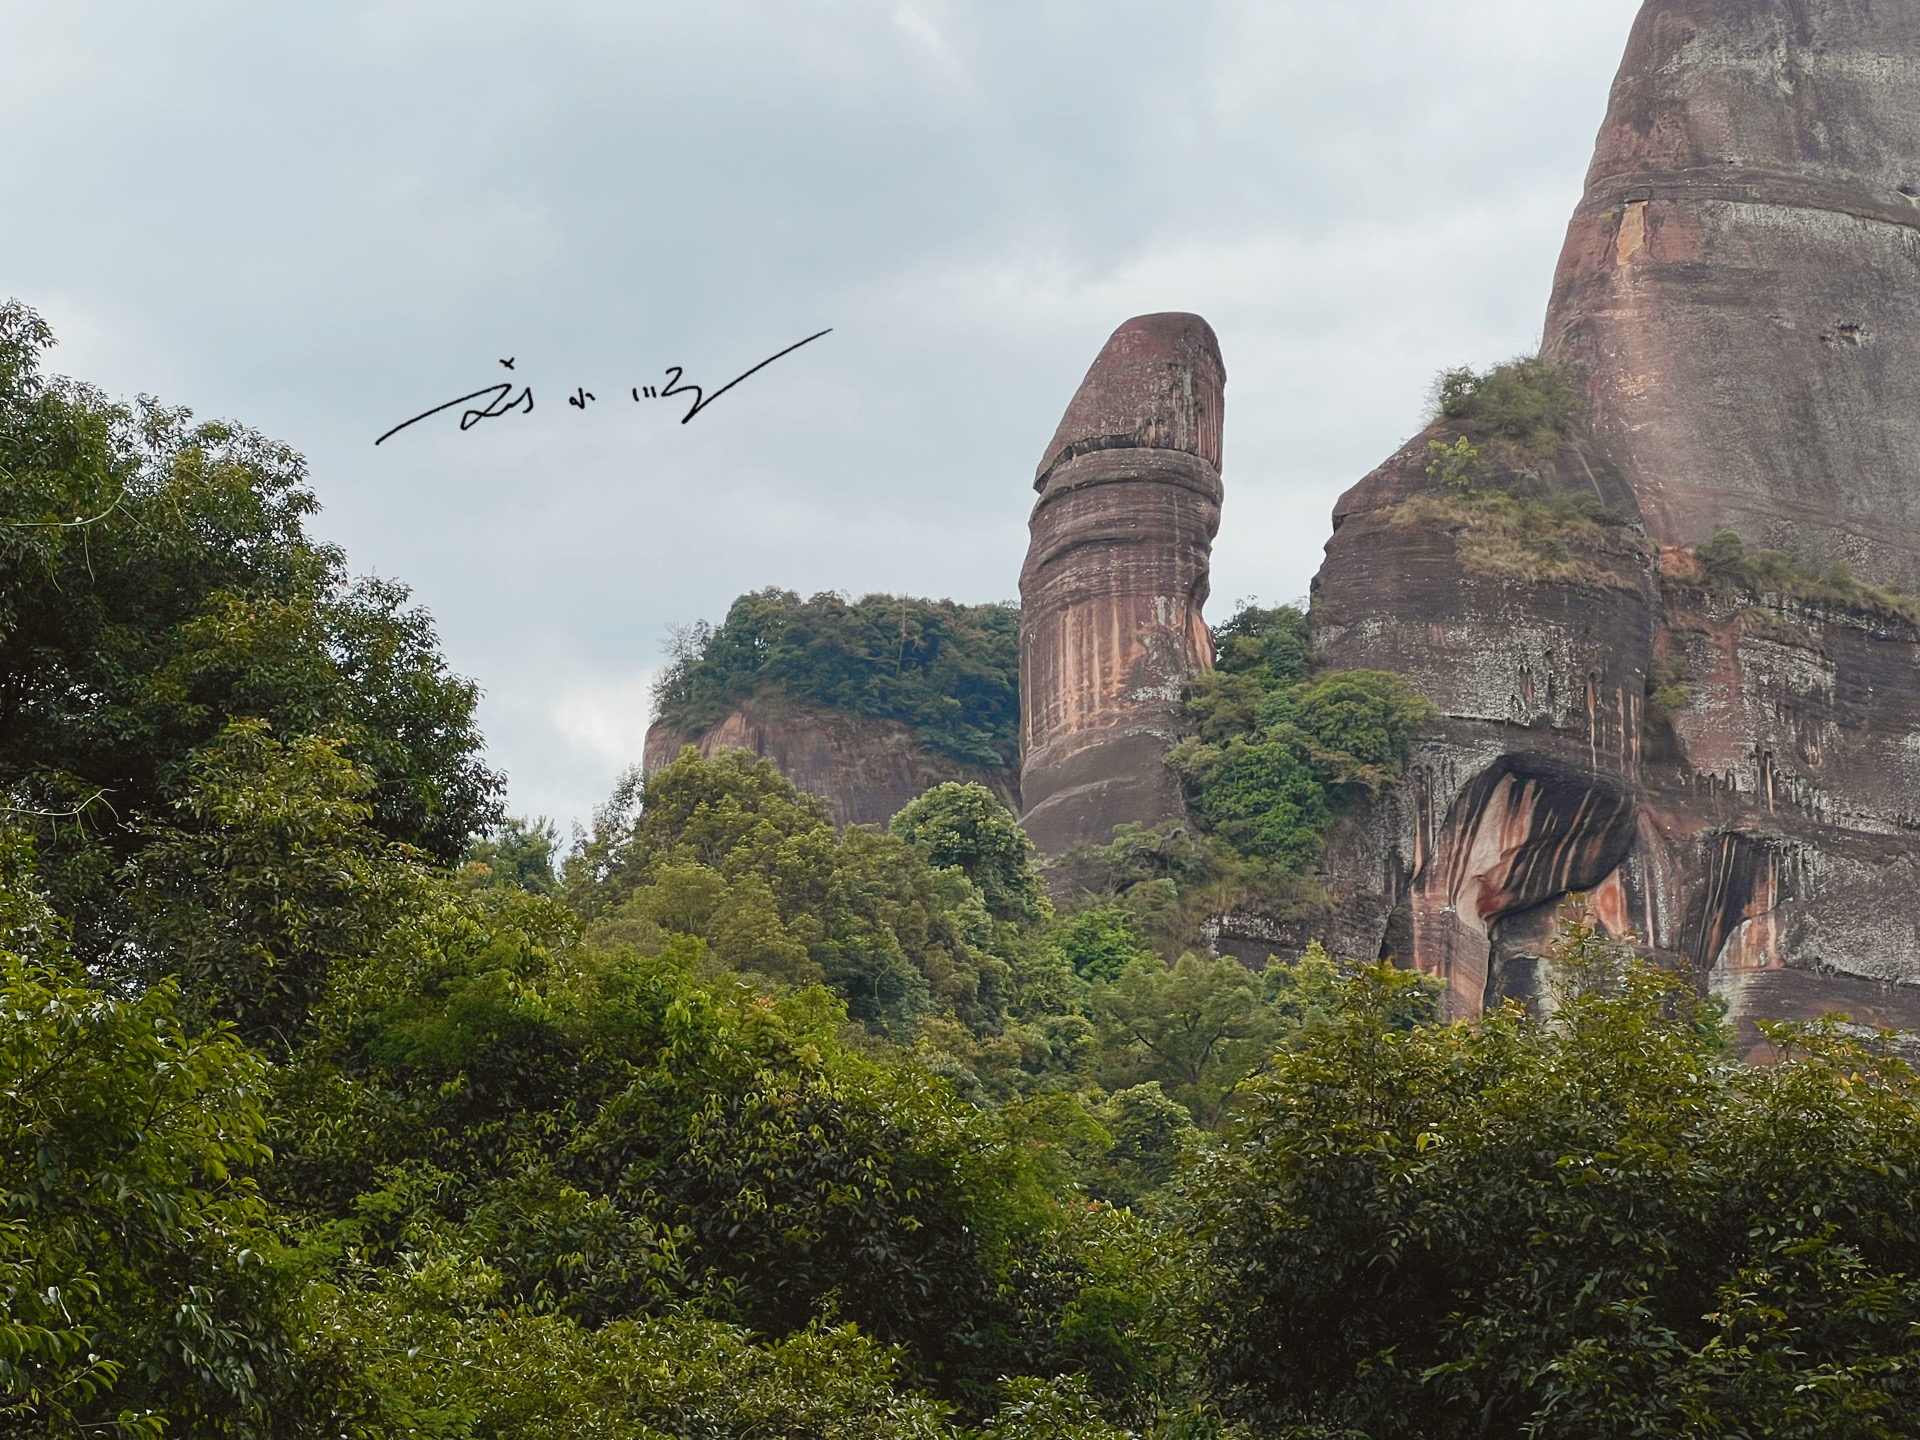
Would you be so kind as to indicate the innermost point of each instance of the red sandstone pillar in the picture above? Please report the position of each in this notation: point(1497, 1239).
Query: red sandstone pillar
point(1116, 575)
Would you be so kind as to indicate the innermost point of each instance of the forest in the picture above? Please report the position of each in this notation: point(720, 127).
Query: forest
point(339, 1103)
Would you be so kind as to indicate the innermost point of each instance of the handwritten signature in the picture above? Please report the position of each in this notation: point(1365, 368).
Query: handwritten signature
point(498, 400)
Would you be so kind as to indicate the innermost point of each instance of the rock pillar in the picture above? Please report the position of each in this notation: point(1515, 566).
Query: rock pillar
point(1116, 575)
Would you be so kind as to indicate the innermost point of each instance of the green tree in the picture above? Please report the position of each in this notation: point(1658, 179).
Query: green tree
point(1255, 652)
point(517, 852)
point(1100, 941)
point(137, 1263)
point(1201, 1025)
point(1278, 754)
point(1593, 1225)
point(965, 825)
point(1359, 725)
point(615, 1136)
point(271, 875)
point(1151, 1135)
point(1196, 1026)
point(729, 850)
point(1272, 644)
point(950, 671)
point(157, 583)
point(1263, 796)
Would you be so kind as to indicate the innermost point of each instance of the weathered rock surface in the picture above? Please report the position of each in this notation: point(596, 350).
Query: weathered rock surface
point(1739, 282)
point(1738, 297)
point(866, 769)
point(1115, 578)
point(1526, 789)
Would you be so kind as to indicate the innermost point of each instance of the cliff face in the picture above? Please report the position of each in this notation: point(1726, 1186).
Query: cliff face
point(1738, 298)
point(1738, 283)
point(1114, 582)
point(866, 769)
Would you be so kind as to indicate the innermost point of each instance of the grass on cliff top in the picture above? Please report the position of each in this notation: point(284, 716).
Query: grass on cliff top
point(950, 671)
point(1502, 535)
point(1507, 523)
point(1727, 560)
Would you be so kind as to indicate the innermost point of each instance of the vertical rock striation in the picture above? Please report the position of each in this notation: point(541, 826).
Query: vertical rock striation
point(1115, 579)
point(1739, 297)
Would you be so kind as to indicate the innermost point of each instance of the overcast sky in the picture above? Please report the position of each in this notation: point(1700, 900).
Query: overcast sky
point(323, 218)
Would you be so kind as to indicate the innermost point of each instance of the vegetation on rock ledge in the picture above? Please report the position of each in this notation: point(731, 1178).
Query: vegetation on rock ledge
point(950, 671)
point(1509, 523)
point(1281, 749)
point(1504, 535)
point(1728, 562)
point(1525, 409)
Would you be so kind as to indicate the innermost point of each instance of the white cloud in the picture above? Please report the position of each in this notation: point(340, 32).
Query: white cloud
point(605, 720)
point(314, 217)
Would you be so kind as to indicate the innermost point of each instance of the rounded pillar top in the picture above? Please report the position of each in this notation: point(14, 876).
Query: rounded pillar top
point(1800, 102)
point(1157, 384)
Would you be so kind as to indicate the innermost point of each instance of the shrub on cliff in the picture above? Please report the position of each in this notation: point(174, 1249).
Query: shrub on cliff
point(950, 671)
point(1728, 562)
point(1526, 408)
point(1495, 493)
point(1278, 754)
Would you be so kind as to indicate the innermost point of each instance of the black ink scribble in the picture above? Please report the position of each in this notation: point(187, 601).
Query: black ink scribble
point(500, 399)
point(700, 398)
point(501, 406)
point(498, 405)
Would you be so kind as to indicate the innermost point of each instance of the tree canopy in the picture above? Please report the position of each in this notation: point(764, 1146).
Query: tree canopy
point(1281, 749)
point(157, 584)
point(1593, 1223)
point(332, 1108)
point(950, 671)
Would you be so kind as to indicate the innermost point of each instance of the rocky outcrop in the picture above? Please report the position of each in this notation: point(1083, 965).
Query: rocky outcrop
point(1737, 297)
point(1526, 788)
point(1739, 282)
point(1115, 578)
point(866, 769)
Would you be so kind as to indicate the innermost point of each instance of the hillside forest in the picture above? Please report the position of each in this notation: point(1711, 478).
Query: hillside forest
point(338, 1103)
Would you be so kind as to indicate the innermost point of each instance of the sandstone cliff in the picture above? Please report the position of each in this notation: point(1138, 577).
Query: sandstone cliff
point(1738, 301)
point(1115, 579)
point(865, 768)
point(1738, 283)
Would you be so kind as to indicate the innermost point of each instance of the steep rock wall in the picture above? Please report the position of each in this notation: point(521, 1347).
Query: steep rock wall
point(1738, 298)
point(866, 769)
point(1115, 580)
point(1526, 788)
point(1741, 281)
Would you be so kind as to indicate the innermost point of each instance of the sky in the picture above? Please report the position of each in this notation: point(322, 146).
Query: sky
point(321, 219)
